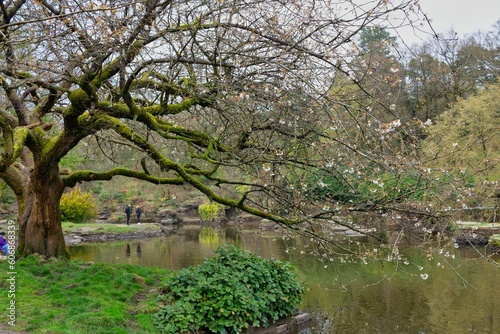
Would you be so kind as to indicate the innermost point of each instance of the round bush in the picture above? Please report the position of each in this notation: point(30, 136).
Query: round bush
point(228, 293)
point(77, 206)
point(209, 211)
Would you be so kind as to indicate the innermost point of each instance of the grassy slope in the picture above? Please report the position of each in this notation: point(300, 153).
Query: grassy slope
point(75, 297)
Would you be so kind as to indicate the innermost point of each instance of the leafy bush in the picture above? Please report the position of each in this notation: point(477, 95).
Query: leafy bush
point(392, 187)
point(331, 186)
point(77, 206)
point(209, 211)
point(495, 240)
point(346, 188)
point(232, 291)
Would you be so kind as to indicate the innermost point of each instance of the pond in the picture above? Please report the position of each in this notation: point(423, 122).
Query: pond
point(455, 290)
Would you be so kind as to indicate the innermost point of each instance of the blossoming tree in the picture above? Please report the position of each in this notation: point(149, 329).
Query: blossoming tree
point(235, 85)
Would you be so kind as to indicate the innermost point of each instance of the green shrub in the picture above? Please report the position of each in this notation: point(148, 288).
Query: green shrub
point(77, 206)
point(408, 186)
point(494, 240)
point(331, 186)
point(209, 211)
point(392, 187)
point(228, 293)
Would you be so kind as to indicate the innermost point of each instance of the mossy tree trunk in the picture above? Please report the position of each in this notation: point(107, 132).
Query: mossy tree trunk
point(40, 230)
point(36, 181)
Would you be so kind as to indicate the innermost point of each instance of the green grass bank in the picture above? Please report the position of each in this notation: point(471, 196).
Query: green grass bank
point(57, 296)
point(233, 291)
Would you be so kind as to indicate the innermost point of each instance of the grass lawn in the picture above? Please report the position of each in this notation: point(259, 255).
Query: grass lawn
point(77, 297)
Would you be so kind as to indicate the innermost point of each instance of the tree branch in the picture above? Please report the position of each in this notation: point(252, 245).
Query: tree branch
point(88, 176)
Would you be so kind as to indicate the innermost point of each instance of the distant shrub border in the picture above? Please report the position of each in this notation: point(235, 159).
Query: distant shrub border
point(228, 293)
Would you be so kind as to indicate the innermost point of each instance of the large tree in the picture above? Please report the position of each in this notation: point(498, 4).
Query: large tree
point(464, 145)
point(238, 87)
point(449, 68)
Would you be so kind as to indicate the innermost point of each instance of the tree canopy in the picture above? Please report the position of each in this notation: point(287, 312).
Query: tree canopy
point(259, 96)
point(474, 143)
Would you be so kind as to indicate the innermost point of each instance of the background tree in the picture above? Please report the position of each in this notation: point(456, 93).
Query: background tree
point(469, 155)
point(426, 85)
point(376, 39)
point(474, 145)
point(375, 92)
point(206, 91)
point(449, 68)
point(378, 72)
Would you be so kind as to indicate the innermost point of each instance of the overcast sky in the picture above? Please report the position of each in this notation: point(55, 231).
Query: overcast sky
point(464, 16)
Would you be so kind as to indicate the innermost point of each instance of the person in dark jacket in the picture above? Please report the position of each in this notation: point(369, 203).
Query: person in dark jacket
point(128, 212)
point(138, 212)
point(4, 245)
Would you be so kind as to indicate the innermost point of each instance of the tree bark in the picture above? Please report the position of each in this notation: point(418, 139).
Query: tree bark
point(40, 230)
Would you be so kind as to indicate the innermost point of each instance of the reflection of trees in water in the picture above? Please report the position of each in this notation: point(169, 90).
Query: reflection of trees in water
point(84, 252)
point(217, 236)
point(209, 236)
point(191, 234)
point(232, 233)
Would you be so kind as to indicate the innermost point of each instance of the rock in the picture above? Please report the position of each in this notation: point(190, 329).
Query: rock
point(196, 220)
point(166, 213)
point(290, 325)
point(189, 210)
point(139, 280)
point(169, 221)
point(475, 233)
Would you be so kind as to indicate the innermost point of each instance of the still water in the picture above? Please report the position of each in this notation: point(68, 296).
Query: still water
point(443, 290)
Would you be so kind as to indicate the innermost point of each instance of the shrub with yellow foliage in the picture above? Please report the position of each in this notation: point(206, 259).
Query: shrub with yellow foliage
point(78, 206)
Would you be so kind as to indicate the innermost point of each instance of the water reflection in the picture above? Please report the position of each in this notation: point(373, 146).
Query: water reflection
point(139, 251)
point(460, 294)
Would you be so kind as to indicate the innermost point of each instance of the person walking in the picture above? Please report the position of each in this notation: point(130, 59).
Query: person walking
point(138, 212)
point(128, 212)
point(4, 245)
